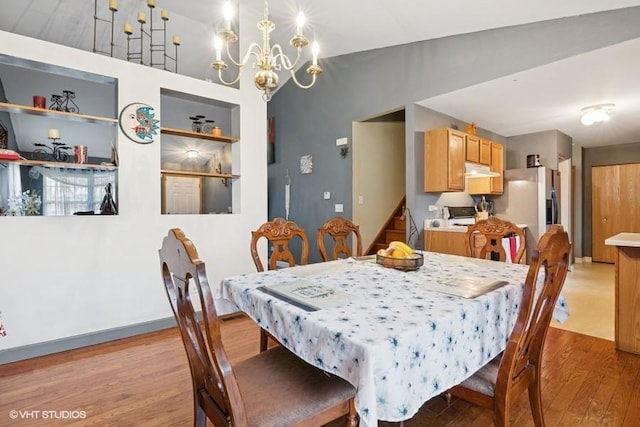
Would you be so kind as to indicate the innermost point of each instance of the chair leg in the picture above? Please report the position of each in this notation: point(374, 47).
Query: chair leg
point(199, 416)
point(264, 340)
point(352, 418)
point(535, 400)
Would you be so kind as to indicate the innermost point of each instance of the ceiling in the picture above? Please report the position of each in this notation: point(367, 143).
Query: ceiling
point(544, 98)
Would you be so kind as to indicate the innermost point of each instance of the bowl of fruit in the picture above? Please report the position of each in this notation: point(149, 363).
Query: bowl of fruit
point(400, 256)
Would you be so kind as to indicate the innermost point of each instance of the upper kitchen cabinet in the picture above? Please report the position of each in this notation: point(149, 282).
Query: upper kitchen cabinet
point(493, 185)
point(478, 150)
point(63, 124)
point(444, 157)
point(197, 154)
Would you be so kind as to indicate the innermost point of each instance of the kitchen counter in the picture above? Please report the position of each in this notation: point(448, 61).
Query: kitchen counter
point(624, 239)
point(463, 229)
point(452, 239)
point(627, 295)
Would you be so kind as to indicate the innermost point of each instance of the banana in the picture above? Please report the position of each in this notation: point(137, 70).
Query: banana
point(406, 249)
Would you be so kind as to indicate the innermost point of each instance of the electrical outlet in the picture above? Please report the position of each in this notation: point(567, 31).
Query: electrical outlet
point(339, 207)
point(433, 208)
point(327, 195)
point(361, 200)
point(341, 141)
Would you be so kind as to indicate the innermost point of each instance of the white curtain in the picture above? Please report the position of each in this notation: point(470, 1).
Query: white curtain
point(66, 191)
point(14, 190)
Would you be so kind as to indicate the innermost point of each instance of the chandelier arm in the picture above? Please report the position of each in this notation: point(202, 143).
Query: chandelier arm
point(250, 52)
point(231, 82)
point(313, 80)
point(284, 59)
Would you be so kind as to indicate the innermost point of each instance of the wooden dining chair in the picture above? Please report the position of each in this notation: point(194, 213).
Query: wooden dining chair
point(279, 232)
point(273, 388)
point(497, 385)
point(494, 230)
point(339, 229)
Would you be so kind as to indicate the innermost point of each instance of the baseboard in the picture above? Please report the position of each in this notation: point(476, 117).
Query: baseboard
point(70, 343)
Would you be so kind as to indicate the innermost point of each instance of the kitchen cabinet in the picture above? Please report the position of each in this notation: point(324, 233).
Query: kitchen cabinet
point(445, 242)
point(493, 185)
point(626, 247)
point(478, 150)
point(444, 157)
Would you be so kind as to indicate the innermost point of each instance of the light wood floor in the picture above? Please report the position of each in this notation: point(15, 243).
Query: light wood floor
point(144, 381)
point(590, 292)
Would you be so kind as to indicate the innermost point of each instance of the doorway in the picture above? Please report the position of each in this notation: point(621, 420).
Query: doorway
point(181, 195)
point(378, 180)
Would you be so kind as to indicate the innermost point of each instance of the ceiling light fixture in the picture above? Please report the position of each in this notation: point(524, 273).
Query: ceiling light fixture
point(192, 154)
point(268, 59)
point(596, 113)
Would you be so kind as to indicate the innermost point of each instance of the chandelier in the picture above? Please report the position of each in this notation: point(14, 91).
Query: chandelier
point(268, 59)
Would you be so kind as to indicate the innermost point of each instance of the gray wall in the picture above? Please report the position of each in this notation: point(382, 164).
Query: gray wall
point(366, 84)
point(601, 156)
point(550, 145)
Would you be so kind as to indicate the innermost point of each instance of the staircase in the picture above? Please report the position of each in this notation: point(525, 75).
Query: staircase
point(395, 228)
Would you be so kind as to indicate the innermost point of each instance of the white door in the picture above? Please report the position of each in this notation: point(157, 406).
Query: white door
point(182, 195)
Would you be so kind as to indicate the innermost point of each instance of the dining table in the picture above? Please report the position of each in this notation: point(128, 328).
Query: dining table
point(400, 337)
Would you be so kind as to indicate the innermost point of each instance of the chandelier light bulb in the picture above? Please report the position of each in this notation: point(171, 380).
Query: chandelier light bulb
point(227, 12)
point(300, 23)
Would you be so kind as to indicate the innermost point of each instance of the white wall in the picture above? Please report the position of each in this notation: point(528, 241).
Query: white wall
point(65, 276)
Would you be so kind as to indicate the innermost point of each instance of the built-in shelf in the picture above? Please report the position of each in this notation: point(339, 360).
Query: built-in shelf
point(25, 109)
point(207, 174)
point(52, 164)
point(199, 135)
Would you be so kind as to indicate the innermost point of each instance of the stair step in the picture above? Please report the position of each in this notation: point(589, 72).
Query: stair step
point(391, 235)
point(399, 223)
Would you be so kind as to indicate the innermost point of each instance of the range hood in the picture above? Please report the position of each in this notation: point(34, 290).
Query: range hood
point(474, 170)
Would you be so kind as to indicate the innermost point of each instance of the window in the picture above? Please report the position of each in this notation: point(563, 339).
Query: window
point(66, 192)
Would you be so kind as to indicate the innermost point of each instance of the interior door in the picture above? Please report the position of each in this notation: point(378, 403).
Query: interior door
point(615, 206)
point(182, 195)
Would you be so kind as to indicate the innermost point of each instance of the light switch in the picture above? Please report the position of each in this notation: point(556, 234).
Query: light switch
point(339, 207)
point(327, 195)
point(361, 200)
point(341, 141)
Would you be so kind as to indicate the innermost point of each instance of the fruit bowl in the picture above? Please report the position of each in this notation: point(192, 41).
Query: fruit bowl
point(409, 263)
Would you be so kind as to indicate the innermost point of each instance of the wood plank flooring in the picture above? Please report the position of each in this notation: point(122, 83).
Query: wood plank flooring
point(144, 381)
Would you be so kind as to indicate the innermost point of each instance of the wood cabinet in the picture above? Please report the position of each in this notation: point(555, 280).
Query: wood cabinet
point(478, 150)
point(445, 242)
point(492, 185)
point(626, 248)
point(444, 157)
point(615, 206)
point(486, 152)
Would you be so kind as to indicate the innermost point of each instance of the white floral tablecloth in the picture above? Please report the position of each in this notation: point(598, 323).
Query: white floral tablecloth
point(398, 341)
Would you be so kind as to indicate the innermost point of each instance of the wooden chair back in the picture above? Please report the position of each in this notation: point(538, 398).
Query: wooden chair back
point(279, 232)
point(215, 391)
point(520, 367)
point(339, 229)
point(239, 396)
point(494, 230)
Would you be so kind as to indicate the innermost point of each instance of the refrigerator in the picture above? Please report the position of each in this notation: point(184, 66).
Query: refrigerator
point(532, 197)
